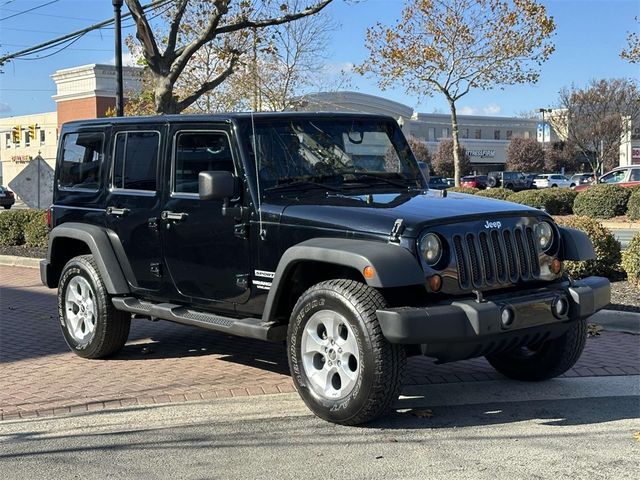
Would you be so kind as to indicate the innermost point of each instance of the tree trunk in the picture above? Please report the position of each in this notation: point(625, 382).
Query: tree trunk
point(163, 94)
point(456, 142)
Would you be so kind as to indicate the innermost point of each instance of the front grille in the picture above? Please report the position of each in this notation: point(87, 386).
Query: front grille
point(494, 258)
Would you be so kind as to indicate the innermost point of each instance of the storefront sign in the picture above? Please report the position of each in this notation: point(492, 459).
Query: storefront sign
point(481, 153)
point(21, 158)
point(635, 155)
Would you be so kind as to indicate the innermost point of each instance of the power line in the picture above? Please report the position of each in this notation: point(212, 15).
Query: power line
point(29, 10)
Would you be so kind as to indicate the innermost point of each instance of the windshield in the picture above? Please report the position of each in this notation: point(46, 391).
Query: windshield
point(337, 152)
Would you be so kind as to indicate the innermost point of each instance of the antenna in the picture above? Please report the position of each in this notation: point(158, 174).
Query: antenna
point(263, 233)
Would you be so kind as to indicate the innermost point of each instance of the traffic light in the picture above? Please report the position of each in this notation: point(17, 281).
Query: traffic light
point(32, 131)
point(15, 134)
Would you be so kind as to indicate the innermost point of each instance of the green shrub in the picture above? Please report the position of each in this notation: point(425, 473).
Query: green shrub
point(552, 202)
point(467, 190)
point(602, 201)
point(13, 224)
point(633, 205)
point(607, 248)
point(631, 261)
point(36, 231)
point(499, 193)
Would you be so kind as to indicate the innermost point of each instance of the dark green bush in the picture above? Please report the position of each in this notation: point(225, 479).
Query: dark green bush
point(14, 223)
point(607, 248)
point(633, 205)
point(602, 201)
point(565, 198)
point(467, 190)
point(547, 199)
point(36, 231)
point(631, 261)
point(499, 193)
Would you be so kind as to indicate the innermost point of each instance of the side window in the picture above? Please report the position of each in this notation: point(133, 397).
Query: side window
point(135, 161)
point(81, 160)
point(614, 177)
point(199, 152)
point(635, 175)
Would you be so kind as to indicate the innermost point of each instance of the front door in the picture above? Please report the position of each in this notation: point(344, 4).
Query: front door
point(134, 201)
point(205, 258)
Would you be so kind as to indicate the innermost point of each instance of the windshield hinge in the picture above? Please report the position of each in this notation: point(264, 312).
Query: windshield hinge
point(396, 231)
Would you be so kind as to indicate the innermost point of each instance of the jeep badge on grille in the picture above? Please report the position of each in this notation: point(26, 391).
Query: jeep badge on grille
point(492, 224)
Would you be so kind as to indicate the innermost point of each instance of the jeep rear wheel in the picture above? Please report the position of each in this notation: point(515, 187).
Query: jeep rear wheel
point(341, 364)
point(91, 326)
point(547, 360)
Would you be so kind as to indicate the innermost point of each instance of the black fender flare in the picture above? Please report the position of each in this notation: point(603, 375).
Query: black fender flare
point(97, 239)
point(576, 245)
point(394, 265)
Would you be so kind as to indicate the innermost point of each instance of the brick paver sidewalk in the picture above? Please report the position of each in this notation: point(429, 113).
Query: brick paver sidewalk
point(164, 362)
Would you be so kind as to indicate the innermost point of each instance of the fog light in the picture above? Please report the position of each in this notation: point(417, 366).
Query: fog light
point(435, 283)
point(556, 266)
point(561, 306)
point(507, 317)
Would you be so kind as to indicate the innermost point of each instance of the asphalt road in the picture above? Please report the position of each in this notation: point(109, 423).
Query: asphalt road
point(566, 428)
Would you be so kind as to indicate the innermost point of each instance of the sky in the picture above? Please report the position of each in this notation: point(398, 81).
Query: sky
point(589, 37)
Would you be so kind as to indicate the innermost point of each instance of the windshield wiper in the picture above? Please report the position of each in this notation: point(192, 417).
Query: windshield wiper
point(298, 184)
point(369, 175)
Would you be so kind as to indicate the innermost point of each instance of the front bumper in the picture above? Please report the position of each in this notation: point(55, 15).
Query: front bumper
point(471, 321)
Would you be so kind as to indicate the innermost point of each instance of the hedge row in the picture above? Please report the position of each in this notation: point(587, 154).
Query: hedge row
point(631, 261)
point(599, 201)
point(24, 227)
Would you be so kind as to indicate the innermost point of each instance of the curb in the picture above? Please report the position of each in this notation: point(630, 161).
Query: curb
point(16, 261)
point(617, 321)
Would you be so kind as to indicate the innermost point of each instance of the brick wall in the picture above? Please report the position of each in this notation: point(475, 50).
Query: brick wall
point(91, 107)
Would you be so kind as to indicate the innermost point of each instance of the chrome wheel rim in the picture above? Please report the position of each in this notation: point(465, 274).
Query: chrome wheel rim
point(80, 309)
point(330, 355)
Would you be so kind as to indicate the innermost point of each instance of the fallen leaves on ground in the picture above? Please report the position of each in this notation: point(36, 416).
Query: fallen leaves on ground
point(637, 436)
point(593, 330)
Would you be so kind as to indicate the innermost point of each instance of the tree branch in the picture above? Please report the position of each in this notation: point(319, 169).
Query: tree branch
point(174, 27)
point(144, 33)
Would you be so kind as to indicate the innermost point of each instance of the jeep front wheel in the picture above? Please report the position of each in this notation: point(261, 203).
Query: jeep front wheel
point(341, 364)
point(91, 326)
point(546, 360)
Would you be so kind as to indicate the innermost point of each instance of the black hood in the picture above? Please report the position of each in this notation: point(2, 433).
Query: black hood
point(376, 213)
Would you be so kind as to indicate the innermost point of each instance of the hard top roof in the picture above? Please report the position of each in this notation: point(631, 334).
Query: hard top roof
point(224, 117)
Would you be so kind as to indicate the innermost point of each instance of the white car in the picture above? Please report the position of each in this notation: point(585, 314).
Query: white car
point(553, 180)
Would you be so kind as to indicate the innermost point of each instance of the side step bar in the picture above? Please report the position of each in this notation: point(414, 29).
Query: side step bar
point(243, 327)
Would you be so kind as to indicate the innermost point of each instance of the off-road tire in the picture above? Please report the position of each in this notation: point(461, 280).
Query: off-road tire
point(7, 207)
point(548, 360)
point(111, 326)
point(381, 364)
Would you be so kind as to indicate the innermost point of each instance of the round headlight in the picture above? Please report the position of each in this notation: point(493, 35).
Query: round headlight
point(544, 235)
point(431, 248)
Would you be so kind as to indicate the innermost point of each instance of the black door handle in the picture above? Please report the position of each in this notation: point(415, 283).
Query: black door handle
point(174, 216)
point(118, 212)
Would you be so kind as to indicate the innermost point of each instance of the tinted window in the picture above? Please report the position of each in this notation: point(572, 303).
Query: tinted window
point(614, 177)
point(81, 160)
point(135, 160)
point(200, 152)
point(635, 175)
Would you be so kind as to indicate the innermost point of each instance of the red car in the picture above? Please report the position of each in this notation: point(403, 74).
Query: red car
point(628, 176)
point(474, 181)
point(7, 198)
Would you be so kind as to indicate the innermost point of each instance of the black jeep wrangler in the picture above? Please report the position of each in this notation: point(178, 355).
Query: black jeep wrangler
point(314, 229)
point(516, 181)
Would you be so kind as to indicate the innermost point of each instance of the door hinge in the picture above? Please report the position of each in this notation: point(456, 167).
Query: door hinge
point(152, 223)
point(240, 230)
point(156, 269)
point(396, 231)
point(242, 281)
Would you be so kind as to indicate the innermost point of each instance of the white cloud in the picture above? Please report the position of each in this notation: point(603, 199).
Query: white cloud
point(490, 109)
point(127, 60)
point(338, 68)
point(4, 107)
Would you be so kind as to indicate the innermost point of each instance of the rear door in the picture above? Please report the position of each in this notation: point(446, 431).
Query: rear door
point(134, 201)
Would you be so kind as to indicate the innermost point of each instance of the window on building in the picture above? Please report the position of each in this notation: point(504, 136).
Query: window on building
point(445, 133)
point(465, 133)
point(81, 160)
point(509, 134)
point(431, 136)
point(526, 134)
point(496, 134)
point(135, 161)
point(27, 139)
point(200, 152)
point(7, 140)
point(478, 134)
point(42, 136)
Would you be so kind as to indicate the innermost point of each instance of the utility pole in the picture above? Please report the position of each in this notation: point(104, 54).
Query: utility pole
point(117, 6)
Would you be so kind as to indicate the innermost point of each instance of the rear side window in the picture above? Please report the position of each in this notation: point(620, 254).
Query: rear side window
point(135, 161)
point(81, 160)
point(200, 152)
point(635, 175)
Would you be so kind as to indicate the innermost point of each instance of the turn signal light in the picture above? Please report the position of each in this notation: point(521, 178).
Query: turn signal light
point(435, 283)
point(368, 272)
point(556, 266)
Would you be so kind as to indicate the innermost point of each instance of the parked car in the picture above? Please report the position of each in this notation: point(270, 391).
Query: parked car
point(294, 227)
point(7, 198)
point(553, 180)
point(515, 181)
point(437, 183)
point(474, 181)
point(582, 179)
point(627, 176)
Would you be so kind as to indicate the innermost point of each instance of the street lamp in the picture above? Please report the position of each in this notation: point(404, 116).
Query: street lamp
point(543, 111)
point(117, 6)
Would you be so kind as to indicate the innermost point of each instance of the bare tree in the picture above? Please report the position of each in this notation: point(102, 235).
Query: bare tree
point(593, 119)
point(561, 155)
point(632, 51)
point(223, 24)
point(525, 155)
point(453, 46)
point(443, 162)
point(419, 149)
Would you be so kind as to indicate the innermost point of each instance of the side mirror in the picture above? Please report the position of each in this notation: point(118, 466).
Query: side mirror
point(216, 185)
